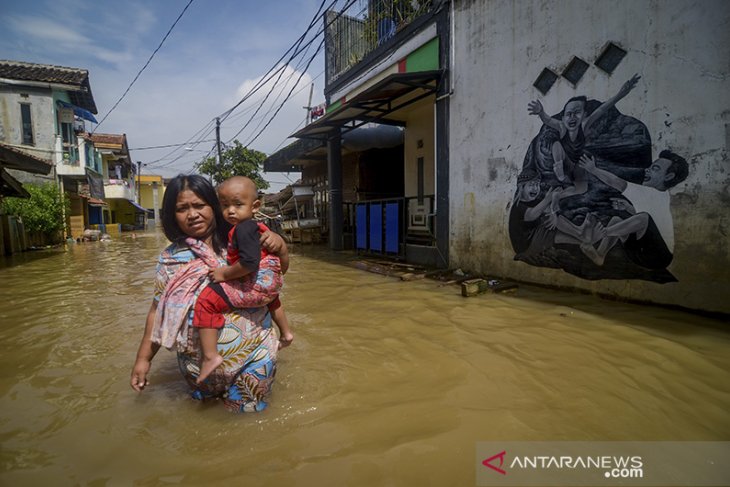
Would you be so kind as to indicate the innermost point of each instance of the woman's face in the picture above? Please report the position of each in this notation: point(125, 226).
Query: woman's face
point(193, 215)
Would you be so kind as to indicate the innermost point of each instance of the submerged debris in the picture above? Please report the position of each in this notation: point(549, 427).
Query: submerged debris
point(471, 284)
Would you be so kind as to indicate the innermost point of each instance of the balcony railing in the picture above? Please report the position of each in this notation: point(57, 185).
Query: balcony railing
point(362, 27)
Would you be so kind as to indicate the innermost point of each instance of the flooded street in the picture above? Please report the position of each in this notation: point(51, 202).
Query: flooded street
point(387, 382)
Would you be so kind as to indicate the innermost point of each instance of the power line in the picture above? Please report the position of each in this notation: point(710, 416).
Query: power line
point(321, 44)
point(294, 47)
point(347, 5)
point(190, 141)
point(168, 145)
point(145, 66)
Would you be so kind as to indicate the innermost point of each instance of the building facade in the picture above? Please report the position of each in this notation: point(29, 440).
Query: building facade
point(564, 143)
point(44, 110)
point(568, 170)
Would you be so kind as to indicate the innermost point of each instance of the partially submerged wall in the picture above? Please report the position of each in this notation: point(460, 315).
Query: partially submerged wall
point(522, 203)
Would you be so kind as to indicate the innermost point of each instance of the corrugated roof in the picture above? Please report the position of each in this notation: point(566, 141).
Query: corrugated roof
point(15, 158)
point(49, 73)
point(109, 139)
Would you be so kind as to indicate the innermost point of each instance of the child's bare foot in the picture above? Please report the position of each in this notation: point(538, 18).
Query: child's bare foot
point(207, 366)
point(285, 340)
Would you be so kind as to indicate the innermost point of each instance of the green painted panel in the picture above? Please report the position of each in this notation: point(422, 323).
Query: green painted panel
point(334, 106)
point(425, 58)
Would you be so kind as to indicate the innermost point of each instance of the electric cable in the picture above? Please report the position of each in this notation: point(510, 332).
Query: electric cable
point(294, 46)
point(143, 67)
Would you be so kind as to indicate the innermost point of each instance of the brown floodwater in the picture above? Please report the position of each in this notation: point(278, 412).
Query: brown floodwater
point(387, 382)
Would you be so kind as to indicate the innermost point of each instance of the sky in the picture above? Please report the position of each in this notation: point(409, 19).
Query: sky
point(217, 51)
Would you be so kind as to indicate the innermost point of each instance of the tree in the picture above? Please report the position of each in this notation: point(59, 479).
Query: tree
point(43, 211)
point(236, 161)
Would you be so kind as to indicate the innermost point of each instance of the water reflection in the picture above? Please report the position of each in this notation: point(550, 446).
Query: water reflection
point(387, 383)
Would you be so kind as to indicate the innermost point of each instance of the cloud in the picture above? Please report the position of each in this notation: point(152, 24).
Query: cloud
point(47, 30)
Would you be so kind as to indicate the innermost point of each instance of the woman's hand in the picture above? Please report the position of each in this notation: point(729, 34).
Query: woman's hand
point(146, 352)
point(141, 368)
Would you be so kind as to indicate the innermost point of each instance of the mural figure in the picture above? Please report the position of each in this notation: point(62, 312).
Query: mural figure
point(590, 200)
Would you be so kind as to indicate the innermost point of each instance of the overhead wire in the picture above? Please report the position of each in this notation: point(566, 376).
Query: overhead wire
point(347, 5)
point(281, 71)
point(166, 146)
point(144, 67)
point(294, 47)
point(288, 96)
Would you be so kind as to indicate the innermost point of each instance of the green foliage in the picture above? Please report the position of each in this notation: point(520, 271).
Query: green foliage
point(43, 211)
point(236, 161)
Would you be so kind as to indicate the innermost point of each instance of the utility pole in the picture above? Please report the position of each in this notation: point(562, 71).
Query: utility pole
point(218, 139)
point(308, 108)
point(139, 183)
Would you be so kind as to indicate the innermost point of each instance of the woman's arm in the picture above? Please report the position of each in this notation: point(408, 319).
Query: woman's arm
point(274, 243)
point(147, 350)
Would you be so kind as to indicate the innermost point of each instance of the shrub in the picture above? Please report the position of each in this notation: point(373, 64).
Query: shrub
point(43, 211)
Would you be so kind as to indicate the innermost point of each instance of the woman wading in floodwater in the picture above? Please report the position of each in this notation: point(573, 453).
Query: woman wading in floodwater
point(193, 222)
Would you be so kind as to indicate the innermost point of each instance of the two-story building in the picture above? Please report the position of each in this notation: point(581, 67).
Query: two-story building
point(151, 189)
point(378, 157)
point(566, 143)
point(44, 111)
point(120, 184)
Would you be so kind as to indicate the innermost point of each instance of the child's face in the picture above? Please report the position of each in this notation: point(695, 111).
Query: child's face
point(530, 190)
point(573, 114)
point(238, 202)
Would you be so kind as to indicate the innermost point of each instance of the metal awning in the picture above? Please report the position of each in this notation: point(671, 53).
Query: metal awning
point(78, 111)
point(299, 153)
point(140, 208)
point(375, 104)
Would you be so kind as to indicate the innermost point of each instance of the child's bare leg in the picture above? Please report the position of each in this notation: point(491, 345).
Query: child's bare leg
point(558, 161)
point(209, 347)
point(634, 224)
point(282, 322)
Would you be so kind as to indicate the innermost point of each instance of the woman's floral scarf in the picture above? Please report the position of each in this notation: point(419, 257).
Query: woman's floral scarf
point(171, 323)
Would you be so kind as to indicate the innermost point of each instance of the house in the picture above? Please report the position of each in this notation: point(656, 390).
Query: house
point(530, 148)
point(151, 191)
point(44, 112)
point(120, 184)
point(12, 231)
point(378, 157)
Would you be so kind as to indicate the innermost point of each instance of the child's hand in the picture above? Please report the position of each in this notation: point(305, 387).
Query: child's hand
point(534, 107)
point(216, 275)
point(285, 340)
point(629, 85)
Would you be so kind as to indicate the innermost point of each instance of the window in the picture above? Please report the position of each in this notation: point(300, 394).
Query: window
point(575, 70)
point(26, 124)
point(610, 57)
point(545, 81)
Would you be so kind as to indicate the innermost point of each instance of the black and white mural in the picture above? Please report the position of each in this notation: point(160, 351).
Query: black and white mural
point(591, 199)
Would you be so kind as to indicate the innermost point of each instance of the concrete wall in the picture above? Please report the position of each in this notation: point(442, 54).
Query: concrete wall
point(681, 49)
point(43, 116)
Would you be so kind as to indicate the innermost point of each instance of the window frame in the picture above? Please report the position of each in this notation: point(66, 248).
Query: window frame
point(26, 131)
